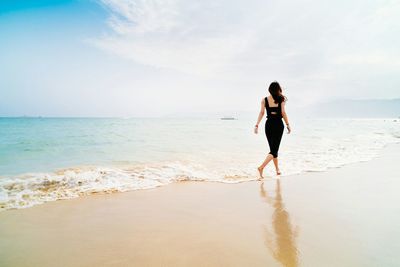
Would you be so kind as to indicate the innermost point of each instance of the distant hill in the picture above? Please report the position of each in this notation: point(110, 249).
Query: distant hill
point(368, 108)
point(340, 108)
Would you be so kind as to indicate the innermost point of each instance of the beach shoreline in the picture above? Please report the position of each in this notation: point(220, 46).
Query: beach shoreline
point(345, 216)
point(113, 155)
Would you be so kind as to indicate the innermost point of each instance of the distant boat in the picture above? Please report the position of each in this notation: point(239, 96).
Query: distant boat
point(228, 118)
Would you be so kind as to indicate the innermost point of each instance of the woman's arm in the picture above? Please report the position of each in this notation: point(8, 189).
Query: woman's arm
point(260, 115)
point(284, 115)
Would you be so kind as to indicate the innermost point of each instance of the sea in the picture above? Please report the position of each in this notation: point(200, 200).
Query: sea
point(48, 159)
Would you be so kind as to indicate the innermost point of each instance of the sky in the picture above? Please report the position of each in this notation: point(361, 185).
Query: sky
point(150, 58)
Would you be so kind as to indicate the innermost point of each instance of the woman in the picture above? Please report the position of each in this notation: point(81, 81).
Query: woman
point(274, 104)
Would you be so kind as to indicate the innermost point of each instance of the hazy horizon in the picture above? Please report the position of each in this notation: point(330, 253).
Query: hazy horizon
point(340, 108)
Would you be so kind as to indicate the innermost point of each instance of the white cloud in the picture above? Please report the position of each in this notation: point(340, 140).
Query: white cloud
point(182, 35)
point(318, 49)
point(142, 16)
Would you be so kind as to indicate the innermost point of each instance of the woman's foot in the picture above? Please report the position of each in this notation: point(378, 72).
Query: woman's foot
point(260, 171)
point(278, 172)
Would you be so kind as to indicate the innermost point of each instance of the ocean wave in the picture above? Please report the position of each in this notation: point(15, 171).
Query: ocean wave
point(27, 190)
point(224, 161)
point(36, 188)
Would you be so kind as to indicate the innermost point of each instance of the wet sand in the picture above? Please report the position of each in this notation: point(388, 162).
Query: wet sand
point(349, 216)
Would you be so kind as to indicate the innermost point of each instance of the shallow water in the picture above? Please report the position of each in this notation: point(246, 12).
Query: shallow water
point(45, 159)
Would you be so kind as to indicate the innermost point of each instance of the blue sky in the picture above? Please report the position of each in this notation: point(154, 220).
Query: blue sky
point(154, 58)
point(16, 5)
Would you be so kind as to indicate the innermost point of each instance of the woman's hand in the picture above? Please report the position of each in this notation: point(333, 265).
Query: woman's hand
point(256, 129)
point(288, 128)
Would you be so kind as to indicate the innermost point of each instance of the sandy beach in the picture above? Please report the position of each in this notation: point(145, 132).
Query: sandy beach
point(348, 216)
point(133, 133)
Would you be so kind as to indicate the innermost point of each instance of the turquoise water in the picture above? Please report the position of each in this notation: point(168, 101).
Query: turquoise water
point(44, 144)
point(45, 159)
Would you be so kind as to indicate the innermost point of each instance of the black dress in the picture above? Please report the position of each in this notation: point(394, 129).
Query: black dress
point(273, 127)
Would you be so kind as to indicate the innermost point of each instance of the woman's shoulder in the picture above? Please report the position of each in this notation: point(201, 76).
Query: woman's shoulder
point(283, 102)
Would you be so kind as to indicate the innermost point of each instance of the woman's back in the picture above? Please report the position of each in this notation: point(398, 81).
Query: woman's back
point(273, 110)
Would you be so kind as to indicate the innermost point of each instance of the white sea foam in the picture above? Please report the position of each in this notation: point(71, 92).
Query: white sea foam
point(318, 148)
point(36, 188)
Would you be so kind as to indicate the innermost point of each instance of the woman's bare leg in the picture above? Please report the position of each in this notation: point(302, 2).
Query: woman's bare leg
point(266, 161)
point(278, 172)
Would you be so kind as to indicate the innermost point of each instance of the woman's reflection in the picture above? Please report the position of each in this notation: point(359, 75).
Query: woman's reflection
point(283, 246)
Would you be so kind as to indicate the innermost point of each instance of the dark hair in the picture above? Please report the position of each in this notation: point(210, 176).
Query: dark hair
point(276, 91)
